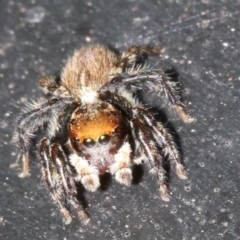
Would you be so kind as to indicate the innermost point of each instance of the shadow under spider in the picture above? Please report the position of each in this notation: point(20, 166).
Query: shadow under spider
point(105, 181)
point(81, 195)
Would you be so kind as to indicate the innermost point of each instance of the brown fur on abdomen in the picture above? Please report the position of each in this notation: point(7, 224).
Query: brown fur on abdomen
point(89, 67)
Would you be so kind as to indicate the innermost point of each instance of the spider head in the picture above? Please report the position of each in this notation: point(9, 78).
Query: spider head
point(97, 129)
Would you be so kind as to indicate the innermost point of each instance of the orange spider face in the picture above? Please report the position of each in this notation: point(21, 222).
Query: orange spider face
point(95, 126)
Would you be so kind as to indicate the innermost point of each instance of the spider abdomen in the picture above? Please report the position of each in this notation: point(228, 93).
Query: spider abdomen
point(88, 67)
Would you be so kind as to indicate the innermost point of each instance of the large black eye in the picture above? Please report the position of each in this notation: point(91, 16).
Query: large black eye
point(89, 142)
point(104, 139)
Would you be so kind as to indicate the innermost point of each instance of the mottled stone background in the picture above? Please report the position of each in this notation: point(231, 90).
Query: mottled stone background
point(201, 43)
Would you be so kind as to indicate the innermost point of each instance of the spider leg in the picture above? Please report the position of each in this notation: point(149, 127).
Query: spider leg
point(51, 87)
point(135, 57)
point(29, 123)
point(58, 176)
point(156, 81)
point(64, 170)
point(51, 178)
point(165, 140)
point(154, 157)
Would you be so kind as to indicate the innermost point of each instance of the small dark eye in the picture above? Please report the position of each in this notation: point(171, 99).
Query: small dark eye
point(88, 142)
point(115, 131)
point(104, 139)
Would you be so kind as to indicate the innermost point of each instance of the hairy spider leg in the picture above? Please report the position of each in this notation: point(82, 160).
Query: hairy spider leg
point(29, 123)
point(156, 81)
point(59, 179)
point(136, 56)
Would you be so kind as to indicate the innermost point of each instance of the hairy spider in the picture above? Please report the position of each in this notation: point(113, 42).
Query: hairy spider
point(96, 124)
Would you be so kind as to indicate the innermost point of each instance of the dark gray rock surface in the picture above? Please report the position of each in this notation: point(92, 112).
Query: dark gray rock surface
point(201, 41)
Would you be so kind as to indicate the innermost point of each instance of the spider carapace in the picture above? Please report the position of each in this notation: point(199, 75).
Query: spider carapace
point(97, 133)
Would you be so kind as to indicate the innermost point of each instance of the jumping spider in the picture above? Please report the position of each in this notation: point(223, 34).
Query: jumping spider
point(96, 124)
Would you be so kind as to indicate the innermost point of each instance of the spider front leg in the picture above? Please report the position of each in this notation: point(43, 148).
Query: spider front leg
point(59, 179)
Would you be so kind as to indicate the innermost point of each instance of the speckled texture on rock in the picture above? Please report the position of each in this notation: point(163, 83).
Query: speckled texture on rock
point(201, 41)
